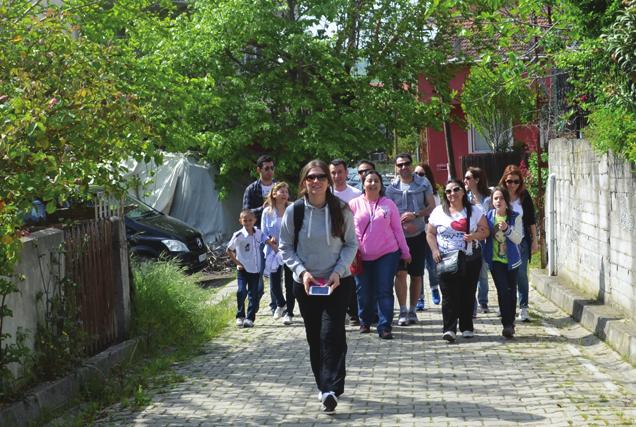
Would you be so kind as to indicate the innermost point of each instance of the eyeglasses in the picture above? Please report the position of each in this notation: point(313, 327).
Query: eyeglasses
point(421, 173)
point(513, 181)
point(320, 177)
point(364, 171)
point(453, 190)
point(267, 168)
point(403, 165)
point(467, 177)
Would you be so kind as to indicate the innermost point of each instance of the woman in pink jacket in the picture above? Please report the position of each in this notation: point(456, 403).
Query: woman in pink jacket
point(382, 244)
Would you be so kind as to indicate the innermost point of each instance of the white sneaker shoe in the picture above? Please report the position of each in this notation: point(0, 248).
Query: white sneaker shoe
point(449, 336)
point(239, 322)
point(278, 313)
point(523, 316)
point(403, 319)
point(248, 323)
point(287, 320)
point(468, 334)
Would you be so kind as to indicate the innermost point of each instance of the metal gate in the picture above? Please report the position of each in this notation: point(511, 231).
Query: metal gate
point(91, 264)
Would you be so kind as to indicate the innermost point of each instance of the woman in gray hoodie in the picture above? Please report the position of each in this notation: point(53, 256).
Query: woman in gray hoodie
point(318, 243)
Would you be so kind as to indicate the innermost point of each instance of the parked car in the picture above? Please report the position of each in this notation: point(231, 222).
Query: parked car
point(152, 234)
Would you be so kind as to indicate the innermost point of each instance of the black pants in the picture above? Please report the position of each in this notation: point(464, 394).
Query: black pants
point(506, 284)
point(458, 291)
point(324, 318)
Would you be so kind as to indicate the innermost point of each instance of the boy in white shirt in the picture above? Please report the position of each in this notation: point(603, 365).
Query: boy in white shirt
point(244, 251)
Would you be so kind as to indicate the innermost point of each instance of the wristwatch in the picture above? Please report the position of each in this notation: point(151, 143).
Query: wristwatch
point(415, 214)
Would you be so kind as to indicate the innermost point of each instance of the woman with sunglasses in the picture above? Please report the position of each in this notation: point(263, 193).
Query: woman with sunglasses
point(319, 254)
point(382, 245)
point(454, 226)
point(476, 185)
point(521, 202)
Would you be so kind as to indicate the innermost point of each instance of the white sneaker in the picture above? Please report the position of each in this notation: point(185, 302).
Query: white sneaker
point(278, 313)
point(239, 322)
point(523, 316)
point(449, 336)
point(468, 334)
point(248, 323)
point(287, 320)
point(403, 319)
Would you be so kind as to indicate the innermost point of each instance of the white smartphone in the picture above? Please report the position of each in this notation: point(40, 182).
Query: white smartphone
point(320, 290)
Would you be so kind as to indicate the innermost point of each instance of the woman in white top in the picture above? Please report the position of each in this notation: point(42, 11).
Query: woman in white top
point(456, 226)
point(476, 185)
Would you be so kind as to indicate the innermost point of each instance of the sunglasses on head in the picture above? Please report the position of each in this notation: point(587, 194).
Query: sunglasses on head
point(453, 190)
point(319, 177)
point(402, 165)
point(513, 181)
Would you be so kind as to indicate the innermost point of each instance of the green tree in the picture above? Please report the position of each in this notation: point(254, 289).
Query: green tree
point(496, 97)
point(66, 122)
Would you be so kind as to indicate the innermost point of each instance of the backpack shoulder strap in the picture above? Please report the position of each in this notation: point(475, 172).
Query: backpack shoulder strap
point(299, 215)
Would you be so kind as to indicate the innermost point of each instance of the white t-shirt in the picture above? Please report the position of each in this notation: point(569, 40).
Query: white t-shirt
point(516, 206)
point(451, 229)
point(247, 248)
point(347, 194)
point(266, 189)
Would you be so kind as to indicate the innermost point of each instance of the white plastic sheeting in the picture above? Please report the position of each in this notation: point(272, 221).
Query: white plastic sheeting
point(184, 188)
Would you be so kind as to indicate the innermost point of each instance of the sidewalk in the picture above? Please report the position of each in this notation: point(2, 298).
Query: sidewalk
point(553, 373)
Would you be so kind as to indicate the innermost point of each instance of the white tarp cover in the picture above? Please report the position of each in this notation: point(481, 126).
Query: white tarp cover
point(184, 188)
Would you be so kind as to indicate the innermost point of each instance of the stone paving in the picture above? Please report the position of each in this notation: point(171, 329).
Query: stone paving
point(553, 373)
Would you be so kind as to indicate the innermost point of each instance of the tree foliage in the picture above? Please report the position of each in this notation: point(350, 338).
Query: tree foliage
point(496, 97)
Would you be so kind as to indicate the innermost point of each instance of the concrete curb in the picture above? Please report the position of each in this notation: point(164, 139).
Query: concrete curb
point(604, 321)
point(54, 395)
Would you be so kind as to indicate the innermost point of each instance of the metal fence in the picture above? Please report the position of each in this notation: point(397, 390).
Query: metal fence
point(92, 262)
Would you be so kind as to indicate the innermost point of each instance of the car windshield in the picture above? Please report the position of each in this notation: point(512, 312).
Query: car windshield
point(139, 209)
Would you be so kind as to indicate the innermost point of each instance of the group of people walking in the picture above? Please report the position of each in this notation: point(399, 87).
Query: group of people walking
point(343, 249)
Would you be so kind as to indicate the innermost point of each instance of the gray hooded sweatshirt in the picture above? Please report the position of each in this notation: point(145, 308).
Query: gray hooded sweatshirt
point(318, 252)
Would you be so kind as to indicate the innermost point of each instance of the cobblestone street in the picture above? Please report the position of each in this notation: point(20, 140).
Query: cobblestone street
point(553, 373)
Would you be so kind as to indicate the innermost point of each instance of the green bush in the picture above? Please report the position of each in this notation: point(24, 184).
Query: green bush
point(613, 128)
point(169, 308)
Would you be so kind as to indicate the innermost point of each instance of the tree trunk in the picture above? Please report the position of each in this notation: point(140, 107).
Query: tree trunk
point(449, 149)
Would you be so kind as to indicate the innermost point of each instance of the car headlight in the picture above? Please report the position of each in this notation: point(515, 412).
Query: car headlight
point(175, 245)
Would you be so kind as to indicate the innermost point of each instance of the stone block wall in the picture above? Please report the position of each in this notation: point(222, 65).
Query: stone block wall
point(595, 222)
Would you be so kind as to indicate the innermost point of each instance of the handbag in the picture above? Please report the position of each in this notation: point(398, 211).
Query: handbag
point(356, 266)
point(451, 263)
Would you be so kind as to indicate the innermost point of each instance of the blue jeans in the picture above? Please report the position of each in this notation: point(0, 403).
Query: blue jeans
point(506, 284)
point(522, 278)
point(430, 268)
point(247, 287)
point(482, 290)
point(375, 290)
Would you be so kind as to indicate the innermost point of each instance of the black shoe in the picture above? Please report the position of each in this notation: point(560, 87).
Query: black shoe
point(508, 332)
point(354, 322)
point(329, 403)
point(386, 335)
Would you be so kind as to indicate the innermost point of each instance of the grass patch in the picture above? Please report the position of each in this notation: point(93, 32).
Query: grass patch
point(174, 317)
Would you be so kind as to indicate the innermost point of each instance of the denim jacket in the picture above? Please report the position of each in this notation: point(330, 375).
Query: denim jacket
point(415, 194)
point(513, 238)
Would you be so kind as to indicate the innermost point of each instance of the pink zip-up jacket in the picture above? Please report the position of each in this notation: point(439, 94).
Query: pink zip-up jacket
point(384, 233)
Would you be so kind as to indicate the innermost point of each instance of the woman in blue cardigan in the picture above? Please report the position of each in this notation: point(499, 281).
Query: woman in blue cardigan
point(503, 255)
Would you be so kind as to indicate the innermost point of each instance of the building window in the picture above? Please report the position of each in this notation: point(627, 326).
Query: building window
point(477, 143)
